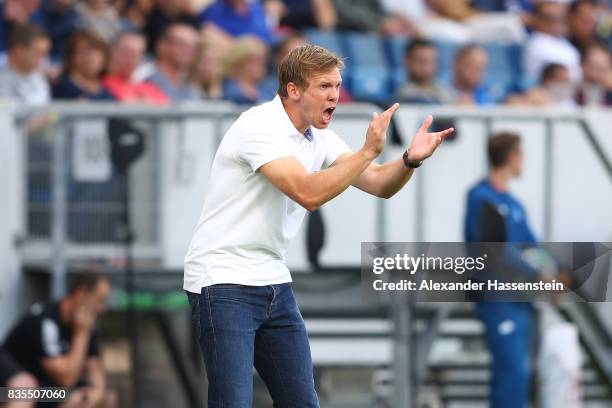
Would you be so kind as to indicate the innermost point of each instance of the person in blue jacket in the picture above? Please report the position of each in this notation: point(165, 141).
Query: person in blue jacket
point(494, 215)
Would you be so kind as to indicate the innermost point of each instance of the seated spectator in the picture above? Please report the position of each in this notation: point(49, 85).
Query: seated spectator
point(22, 77)
point(582, 24)
point(135, 12)
point(99, 17)
point(547, 44)
point(85, 63)
point(245, 67)
point(469, 69)
point(237, 18)
point(207, 72)
point(15, 12)
point(165, 13)
point(59, 18)
point(455, 10)
point(57, 342)
point(596, 87)
point(370, 15)
point(176, 52)
point(555, 88)
point(127, 52)
point(300, 14)
point(13, 376)
point(421, 61)
point(461, 21)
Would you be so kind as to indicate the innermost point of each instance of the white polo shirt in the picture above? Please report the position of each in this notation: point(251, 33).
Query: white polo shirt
point(247, 224)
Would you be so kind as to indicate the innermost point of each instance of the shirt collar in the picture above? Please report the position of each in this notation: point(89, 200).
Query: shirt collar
point(287, 126)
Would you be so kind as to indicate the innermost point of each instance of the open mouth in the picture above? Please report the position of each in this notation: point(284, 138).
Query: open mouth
point(327, 113)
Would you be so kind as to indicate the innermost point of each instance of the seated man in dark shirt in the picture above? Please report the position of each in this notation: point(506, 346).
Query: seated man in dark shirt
point(57, 342)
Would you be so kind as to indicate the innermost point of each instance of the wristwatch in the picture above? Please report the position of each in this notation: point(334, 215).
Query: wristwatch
point(411, 163)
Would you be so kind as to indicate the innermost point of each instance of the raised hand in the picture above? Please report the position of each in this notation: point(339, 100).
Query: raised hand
point(377, 131)
point(85, 317)
point(424, 144)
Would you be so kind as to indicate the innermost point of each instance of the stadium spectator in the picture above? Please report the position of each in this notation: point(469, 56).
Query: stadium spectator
point(300, 14)
point(582, 24)
point(421, 62)
point(596, 86)
point(59, 19)
point(164, 14)
point(85, 63)
point(555, 88)
point(455, 10)
point(22, 77)
point(57, 343)
point(238, 17)
point(15, 12)
point(547, 44)
point(461, 21)
point(370, 15)
point(126, 55)
point(135, 12)
point(245, 68)
point(176, 52)
point(99, 17)
point(469, 69)
point(207, 72)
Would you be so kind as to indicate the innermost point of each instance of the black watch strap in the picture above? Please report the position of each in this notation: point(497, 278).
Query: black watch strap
point(411, 163)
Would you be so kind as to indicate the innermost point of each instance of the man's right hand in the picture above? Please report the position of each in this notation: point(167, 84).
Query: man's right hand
point(85, 317)
point(377, 131)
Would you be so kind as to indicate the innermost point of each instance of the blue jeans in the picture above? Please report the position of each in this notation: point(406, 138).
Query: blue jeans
point(241, 327)
point(508, 334)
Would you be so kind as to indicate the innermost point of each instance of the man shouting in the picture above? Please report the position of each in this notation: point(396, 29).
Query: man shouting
point(277, 161)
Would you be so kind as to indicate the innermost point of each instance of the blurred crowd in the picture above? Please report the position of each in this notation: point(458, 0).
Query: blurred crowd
point(169, 51)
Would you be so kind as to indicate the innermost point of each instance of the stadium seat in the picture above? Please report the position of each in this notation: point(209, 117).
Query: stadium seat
point(366, 50)
point(501, 74)
point(369, 83)
point(328, 39)
point(370, 74)
point(396, 47)
point(446, 57)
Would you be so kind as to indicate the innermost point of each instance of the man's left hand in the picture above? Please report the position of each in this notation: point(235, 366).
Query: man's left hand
point(424, 144)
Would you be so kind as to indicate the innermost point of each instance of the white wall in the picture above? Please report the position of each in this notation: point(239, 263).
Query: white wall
point(13, 297)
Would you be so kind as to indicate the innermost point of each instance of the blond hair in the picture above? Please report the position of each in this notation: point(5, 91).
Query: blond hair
point(302, 62)
point(244, 48)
